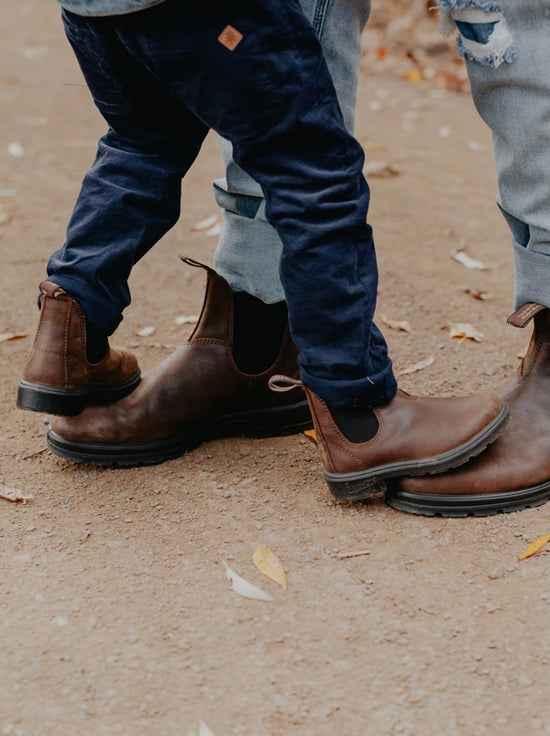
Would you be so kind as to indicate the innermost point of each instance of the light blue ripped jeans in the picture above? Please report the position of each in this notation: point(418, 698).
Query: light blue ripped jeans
point(249, 249)
point(506, 45)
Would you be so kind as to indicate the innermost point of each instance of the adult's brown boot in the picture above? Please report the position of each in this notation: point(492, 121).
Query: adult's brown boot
point(416, 436)
point(58, 378)
point(512, 474)
point(196, 394)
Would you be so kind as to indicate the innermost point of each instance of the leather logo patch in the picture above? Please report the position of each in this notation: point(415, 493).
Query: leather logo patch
point(230, 38)
point(525, 314)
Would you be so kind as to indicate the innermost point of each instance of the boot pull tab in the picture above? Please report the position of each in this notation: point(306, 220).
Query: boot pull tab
point(525, 314)
point(280, 384)
point(196, 264)
point(48, 288)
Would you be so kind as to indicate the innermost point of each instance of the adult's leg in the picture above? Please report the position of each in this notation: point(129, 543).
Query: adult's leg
point(508, 57)
point(249, 248)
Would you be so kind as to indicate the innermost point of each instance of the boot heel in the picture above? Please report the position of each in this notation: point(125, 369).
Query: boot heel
point(49, 400)
point(109, 393)
point(354, 489)
point(280, 421)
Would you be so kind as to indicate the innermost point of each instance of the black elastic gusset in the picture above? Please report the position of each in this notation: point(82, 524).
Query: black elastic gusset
point(257, 332)
point(96, 344)
point(357, 425)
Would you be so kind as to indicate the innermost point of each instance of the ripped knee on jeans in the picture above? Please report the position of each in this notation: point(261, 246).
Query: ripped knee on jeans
point(484, 35)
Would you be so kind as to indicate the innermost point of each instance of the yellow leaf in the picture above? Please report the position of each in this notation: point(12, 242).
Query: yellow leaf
point(310, 434)
point(268, 563)
point(537, 544)
point(412, 75)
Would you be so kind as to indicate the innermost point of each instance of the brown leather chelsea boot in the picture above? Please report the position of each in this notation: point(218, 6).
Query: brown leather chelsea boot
point(198, 393)
point(58, 378)
point(512, 474)
point(416, 436)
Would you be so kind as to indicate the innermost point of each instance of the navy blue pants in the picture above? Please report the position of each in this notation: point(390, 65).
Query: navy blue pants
point(162, 79)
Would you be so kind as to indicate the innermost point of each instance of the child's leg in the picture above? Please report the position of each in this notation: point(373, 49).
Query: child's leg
point(249, 248)
point(131, 195)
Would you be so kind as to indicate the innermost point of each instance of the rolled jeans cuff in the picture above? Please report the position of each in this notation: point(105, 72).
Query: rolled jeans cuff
point(374, 390)
point(532, 277)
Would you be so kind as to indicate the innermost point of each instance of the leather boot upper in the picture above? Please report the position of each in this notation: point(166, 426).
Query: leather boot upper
point(58, 356)
point(410, 428)
point(520, 457)
point(199, 381)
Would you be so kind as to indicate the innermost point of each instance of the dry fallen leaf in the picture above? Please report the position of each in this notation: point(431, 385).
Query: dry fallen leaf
point(145, 331)
point(417, 366)
point(214, 230)
point(205, 224)
point(465, 331)
point(412, 75)
point(537, 544)
point(5, 336)
point(12, 494)
point(204, 730)
point(396, 325)
point(483, 296)
point(468, 261)
point(310, 434)
point(243, 587)
point(347, 555)
point(188, 319)
point(267, 562)
point(380, 170)
point(16, 149)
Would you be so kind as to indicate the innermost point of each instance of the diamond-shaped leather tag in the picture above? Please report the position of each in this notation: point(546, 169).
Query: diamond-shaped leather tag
point(230, 38)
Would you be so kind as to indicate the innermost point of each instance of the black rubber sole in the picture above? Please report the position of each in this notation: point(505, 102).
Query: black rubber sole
point(364, 483)
point(273, 422)
point(461, 505)
point(70, 402)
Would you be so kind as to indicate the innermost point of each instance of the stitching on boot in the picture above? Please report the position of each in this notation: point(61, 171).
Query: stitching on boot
point(484, 35)
point(66, 345)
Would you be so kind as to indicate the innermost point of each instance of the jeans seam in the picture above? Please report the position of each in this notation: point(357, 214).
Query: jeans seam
point(322, 12)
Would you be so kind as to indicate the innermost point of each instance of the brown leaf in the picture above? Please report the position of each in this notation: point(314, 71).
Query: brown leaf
point(483, 296)
point(14, 495)
point(348, 555)
point(5, 336)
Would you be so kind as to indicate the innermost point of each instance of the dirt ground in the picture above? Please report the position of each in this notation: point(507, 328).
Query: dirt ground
point(115, 614)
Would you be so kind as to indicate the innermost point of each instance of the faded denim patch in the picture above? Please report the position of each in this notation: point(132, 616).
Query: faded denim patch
point(484, 35)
